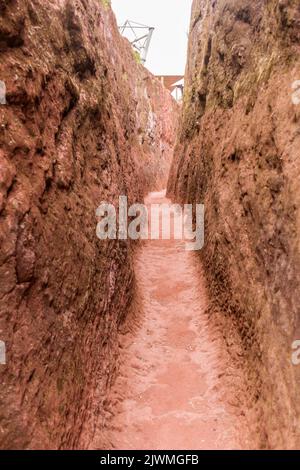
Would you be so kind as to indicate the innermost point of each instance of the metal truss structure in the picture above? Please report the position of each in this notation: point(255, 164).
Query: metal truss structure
point(139, 36)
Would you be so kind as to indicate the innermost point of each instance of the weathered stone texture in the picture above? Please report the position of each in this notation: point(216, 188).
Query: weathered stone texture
point(79, 127)
point(238, 153)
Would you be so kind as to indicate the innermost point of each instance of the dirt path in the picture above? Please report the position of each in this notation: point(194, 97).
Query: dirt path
point(171, 395)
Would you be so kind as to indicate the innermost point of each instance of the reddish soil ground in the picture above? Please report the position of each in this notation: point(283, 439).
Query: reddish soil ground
point(169, 384)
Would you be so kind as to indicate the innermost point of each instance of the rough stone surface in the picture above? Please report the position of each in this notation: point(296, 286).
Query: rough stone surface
point(238, 153)
point(82, 124)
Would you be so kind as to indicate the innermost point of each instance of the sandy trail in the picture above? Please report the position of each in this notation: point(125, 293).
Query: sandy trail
point(169, 383)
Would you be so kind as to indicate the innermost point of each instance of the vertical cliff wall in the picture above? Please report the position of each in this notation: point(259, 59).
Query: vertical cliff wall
point(83, 122)
point(238, 153)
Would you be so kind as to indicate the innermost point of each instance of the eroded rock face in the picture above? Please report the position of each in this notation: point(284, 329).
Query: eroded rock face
point(82, 124)
point(238, 152)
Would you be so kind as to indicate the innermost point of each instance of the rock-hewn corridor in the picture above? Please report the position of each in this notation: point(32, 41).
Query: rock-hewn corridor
point(168, 389)
point(141, 344)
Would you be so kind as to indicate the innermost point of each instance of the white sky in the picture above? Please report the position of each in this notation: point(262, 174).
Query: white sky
point(170, 18)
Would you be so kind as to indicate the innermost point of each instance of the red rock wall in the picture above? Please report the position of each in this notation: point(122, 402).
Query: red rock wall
point(238, 153)
point(83, 123)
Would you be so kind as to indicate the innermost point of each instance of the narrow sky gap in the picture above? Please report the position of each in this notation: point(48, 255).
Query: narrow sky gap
point(170, 18)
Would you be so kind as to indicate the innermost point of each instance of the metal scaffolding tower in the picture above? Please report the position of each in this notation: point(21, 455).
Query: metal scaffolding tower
point(139, 36)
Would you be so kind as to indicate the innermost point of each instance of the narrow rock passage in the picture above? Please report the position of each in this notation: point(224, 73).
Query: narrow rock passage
point(171, 396)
